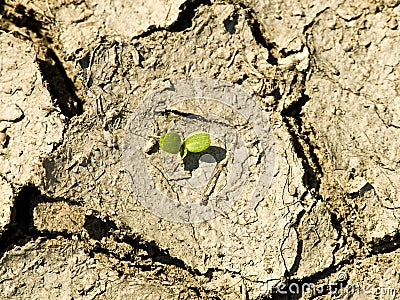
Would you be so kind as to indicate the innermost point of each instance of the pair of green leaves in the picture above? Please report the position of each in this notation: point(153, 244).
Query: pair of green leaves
point(196, 142)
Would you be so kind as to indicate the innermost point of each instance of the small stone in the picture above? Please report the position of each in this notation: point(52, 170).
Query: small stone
point(10, 113)
point(3, 138)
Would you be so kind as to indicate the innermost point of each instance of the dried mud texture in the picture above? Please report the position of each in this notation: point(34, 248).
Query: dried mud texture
point(6, 203)
point(33, 126)
point(326, 77)
point(30, 125)
point(374, 277)
point(63, 269)
point(78, 24)
point(356, 125)
point(256, 245)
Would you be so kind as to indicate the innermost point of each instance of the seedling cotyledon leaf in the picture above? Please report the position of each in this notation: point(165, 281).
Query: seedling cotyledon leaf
point(170, 142)
point(196, 142)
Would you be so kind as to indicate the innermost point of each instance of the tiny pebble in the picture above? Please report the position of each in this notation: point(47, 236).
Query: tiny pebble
point(3, 137)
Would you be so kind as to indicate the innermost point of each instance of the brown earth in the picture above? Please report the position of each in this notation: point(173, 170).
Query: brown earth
point(326, 76)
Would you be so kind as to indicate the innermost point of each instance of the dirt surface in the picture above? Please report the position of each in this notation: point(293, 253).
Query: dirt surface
point(323, 80)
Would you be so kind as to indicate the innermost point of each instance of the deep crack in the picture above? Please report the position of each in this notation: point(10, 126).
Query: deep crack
point(21, 228)
point(61, 88)
point(182, 22)
point(292, 117)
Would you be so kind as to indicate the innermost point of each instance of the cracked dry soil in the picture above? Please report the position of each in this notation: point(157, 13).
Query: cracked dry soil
point(327, 78)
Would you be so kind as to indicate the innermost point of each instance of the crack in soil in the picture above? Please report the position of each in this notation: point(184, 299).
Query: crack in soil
point(61, 88)
point(386, 245)
point(292, 117)
point(22, 229)
point(258, 32)
point(182, 22)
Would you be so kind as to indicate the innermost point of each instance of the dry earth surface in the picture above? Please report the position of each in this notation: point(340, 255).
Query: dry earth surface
point(326, 77)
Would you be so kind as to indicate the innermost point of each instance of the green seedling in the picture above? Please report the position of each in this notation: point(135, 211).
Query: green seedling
point(170, 142)
point(196, 142)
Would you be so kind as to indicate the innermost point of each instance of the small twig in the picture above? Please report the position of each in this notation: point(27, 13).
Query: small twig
point(214, 179)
